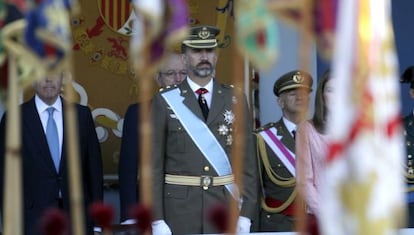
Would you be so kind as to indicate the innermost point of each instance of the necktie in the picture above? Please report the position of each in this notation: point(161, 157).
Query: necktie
point(202, 101)
point(52, 138)
point(294, 134)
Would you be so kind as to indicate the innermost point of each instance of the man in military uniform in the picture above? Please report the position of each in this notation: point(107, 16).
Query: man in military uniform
point(193, 129)
point(276, 152)
point(408, 77)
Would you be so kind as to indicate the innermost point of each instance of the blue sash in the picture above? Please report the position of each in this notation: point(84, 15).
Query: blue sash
point(202, 137)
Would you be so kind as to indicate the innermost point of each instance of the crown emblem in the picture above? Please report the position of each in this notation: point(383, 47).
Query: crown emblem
point(204, 33)
point(298, 78)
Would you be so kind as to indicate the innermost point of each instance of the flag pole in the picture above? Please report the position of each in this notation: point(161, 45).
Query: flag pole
point(12, 201)
point(304, 64)
point(145, 127)
point(76, 198)
point(12, 216)
point(77, 215)
point(145, 131)
point(238, 145)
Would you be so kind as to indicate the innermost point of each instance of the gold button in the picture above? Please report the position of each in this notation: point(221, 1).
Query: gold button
point(206, 168)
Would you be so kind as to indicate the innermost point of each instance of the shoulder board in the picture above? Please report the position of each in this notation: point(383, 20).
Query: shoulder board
point(167, 88)
point(265, 127)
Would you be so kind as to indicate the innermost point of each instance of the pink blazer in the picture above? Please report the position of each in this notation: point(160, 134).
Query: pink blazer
point(311, 148)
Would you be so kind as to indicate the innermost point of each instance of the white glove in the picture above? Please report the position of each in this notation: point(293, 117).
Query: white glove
point(159, 227)
point(243, 225)
point(129, 221)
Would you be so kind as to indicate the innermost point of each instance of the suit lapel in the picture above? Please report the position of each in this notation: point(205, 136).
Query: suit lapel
point(287, 138)
point(33, 126)
point(62, 165)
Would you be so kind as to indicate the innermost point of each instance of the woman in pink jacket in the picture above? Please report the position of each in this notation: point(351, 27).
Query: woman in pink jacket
point(311, 148)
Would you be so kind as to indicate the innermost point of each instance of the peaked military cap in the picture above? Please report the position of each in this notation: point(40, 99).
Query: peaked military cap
point(408, 76)
point(202, 36)
point(292, 80)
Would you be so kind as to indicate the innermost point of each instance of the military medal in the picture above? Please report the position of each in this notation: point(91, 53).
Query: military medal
point(223, 130)
point(229, 117)
point(229, 140)
point(227, 129)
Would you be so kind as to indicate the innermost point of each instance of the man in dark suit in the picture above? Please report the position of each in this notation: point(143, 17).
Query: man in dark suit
point(276, 145)
point(192, 143)
point(172, 72)
point(408, 77)
point(45, 178)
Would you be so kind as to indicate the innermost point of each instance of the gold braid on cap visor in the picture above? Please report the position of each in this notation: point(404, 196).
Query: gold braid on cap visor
point(204, 41)
point(293, 86)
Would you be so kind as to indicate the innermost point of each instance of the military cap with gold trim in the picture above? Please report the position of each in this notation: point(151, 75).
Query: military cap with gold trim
point(293, 80)
point(202, 36)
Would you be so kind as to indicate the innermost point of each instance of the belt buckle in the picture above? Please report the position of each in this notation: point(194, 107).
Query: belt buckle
point(206, 181)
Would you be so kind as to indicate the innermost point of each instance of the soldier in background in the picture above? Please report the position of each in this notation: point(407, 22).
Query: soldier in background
point(408, 77)
point(276, 153)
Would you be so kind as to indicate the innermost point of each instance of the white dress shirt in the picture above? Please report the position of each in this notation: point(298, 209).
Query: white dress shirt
point(289, 125)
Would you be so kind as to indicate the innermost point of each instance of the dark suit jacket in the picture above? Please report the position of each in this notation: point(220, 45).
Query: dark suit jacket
point(128, 162)
point(270, 221)
point(41, 182)
point(185, 208)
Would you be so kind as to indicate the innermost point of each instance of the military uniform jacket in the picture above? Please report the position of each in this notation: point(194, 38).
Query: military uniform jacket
point(271, 189)
point(185, 208)
point(409, 143)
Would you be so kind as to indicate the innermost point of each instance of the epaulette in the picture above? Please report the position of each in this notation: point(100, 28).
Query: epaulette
point(167, 88)
point(265, 127)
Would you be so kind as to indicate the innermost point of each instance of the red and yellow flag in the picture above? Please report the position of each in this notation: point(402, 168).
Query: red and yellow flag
point(363, 192)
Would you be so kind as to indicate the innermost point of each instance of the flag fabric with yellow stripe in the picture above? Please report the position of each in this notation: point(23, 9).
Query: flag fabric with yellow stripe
point(363, 192)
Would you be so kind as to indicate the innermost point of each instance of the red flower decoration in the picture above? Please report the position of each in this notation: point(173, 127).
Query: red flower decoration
point(54, 222)
point(143, 217)
point(219, 216)
point(102, 214)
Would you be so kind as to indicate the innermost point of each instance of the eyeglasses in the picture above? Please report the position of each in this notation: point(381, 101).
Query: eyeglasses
point(171, 73)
